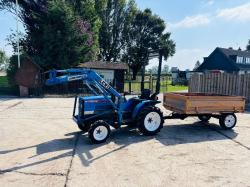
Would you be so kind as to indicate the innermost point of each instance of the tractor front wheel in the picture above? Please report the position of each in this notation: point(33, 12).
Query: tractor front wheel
point(99, 132)
point(84, 127)
point(150, 121)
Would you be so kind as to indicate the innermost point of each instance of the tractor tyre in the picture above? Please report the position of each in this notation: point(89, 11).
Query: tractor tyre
point(84, 127)
point(150, 121)
point(99, 132)
point(204, 118)
point(228, 121)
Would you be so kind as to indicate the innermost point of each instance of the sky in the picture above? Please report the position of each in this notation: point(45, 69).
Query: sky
point(197, 27)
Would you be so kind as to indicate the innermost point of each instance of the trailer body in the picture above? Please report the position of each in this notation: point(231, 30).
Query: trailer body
point(201, 103)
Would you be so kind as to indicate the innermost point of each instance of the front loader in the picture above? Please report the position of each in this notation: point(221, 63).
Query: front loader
point(108, 108)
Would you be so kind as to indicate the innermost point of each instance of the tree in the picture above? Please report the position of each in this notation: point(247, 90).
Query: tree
point(146, 29)
point(248, 46)
point(153, 70)
point(166, 48)
point(4, 60)
point(87, 10)
point(197, 64)
point(165, 69)
point(56, 35)
point(116, 17)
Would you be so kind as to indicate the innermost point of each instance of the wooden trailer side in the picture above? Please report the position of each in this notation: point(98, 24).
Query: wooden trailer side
point(196, 103)
point(214, 104)
point(174, 102)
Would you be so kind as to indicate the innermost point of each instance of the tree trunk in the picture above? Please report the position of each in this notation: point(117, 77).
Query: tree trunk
point(134, 74)
point(158, 83)
point(142, 77)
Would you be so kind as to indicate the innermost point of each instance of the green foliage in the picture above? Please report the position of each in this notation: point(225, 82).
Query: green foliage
point(165, 69)
point(4, 60)
point(57, 33)
point(146, 35)
point(154, 70)
point(197, 64)
point(165, 46)
point(61, 34)
point(87, 10)
point(13, 66)
point(116, 17)
point(248, 46)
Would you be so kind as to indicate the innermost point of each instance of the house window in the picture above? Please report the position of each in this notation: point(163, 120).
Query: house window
point(239, 59)
point(247, 60)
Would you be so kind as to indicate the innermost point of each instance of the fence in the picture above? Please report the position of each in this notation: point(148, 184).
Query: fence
point(221, 83)
point(134, 86)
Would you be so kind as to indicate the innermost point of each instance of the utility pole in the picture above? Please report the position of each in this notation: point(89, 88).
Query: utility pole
point(158, 83)
point(143, 73)
point(17, 30)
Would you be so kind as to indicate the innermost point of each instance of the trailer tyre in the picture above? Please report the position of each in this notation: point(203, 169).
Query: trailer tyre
point(99, 132)
point(204, 118)
point(150, 121)
point(228, 121)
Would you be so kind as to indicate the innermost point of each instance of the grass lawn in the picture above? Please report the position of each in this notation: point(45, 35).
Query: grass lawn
point(176, 88)
point(4, 81)
point(5, 88)
point(165, 87)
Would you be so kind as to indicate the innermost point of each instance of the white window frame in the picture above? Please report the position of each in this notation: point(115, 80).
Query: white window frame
point(247, 60)
point(239, 59)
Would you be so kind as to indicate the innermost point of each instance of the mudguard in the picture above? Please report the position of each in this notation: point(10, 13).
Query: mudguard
point(142, 105)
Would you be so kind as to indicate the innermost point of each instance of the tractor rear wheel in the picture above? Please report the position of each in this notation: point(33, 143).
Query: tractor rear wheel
point(150, 121)
point(99, 132)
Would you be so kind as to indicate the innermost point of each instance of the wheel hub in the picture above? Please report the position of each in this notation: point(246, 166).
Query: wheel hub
point(152, 121)
point(229, 121)
point(100, 133)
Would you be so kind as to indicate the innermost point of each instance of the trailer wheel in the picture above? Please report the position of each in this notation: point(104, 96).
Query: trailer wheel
point(84, 127)
point(99, 132)
point(228, 121)
point(204, 118)
point(150, 121)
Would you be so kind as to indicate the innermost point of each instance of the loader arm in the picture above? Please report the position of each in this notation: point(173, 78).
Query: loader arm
point(88, 76)
point(91, 79)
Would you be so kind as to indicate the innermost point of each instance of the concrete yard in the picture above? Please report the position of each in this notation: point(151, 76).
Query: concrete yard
point(40, 145)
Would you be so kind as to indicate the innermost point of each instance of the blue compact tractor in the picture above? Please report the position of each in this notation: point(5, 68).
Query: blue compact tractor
point(108, 108)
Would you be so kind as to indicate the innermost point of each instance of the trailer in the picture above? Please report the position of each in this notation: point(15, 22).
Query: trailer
point(204, 106)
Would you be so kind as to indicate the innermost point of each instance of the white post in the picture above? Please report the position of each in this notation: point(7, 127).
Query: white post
point(17, 30)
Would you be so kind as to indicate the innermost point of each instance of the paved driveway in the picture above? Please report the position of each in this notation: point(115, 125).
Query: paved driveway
point(41, 146)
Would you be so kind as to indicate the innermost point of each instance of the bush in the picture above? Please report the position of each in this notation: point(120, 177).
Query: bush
point(13, 67)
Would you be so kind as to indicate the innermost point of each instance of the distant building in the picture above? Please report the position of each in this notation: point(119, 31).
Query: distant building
point(28, 77)
point(113, 73)
point(228, 60)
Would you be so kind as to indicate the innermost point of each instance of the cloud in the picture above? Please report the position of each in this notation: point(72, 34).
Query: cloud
point(208, 2)
point(191, 21)
point(239, 13)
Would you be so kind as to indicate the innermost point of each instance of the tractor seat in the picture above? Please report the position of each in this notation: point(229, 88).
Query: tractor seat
point(145, 94)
